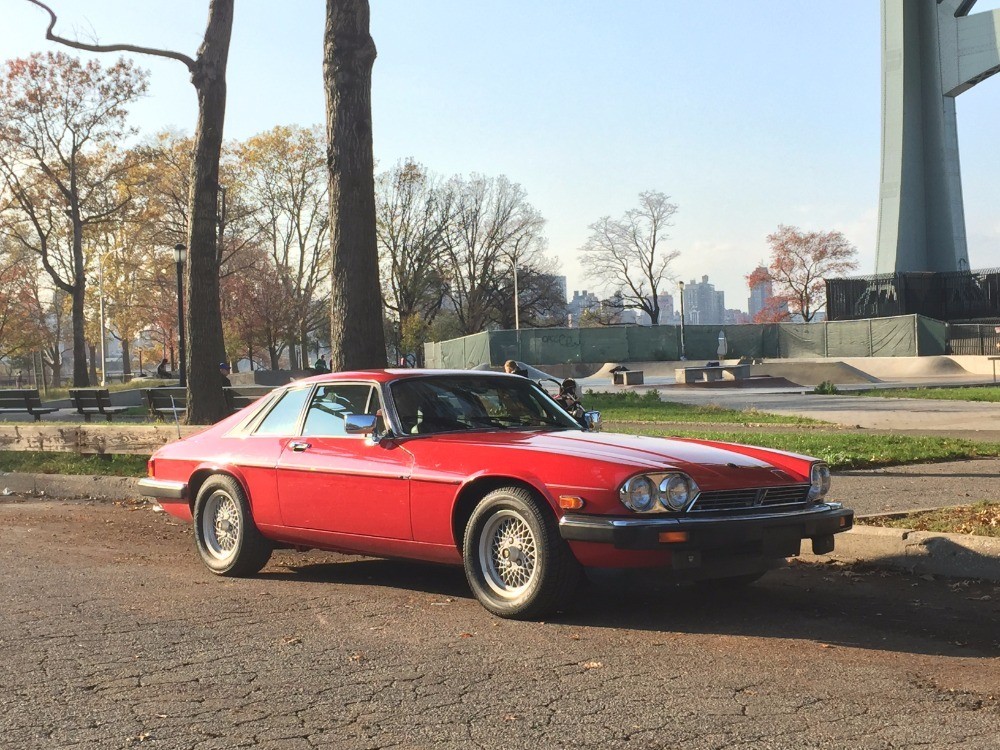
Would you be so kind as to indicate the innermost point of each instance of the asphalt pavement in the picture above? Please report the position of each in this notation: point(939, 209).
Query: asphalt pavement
point(114, 635)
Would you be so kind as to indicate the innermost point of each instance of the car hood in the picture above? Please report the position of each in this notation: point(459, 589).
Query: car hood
point(702, 462)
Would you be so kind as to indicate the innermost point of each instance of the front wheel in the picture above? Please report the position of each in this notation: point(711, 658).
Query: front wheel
point(515, 561)
point(227, 538)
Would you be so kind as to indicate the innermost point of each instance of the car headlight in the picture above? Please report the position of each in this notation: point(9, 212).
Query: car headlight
point(675, 492)
point(819, 481)
point(668, 491)
point(639, 494)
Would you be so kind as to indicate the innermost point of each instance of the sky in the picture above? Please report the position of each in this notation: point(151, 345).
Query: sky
point(749, 114)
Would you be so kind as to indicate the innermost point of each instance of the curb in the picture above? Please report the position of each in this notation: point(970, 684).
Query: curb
point(70, 486)
point(919, 552)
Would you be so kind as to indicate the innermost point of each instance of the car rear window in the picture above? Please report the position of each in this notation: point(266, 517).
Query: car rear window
point(283, 419)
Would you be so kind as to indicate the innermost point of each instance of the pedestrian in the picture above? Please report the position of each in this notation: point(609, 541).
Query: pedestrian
point(224, 371)
point(511, 367)
point(162, 371)
point(321, 365)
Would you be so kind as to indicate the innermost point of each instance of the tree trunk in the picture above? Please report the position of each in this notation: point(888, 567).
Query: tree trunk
point(293, 356)
point(126, 361)
point(357, 340)
point(273, 353)
point(205, 346)
point(304, 342)
point(93, 365)
point(80, 378)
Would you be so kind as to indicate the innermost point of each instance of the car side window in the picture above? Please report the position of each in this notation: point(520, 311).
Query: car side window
point(332, 403)
point(283, 419)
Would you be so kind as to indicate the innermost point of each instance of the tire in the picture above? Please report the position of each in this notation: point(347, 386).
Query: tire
point(515, 561)
point(227, 538)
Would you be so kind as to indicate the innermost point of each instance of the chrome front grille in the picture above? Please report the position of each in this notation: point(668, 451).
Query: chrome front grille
point(722, 500)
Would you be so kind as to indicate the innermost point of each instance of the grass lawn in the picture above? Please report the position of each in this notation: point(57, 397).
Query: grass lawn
point(843, 450)
point(989, 393)
point(52, 462)
point(981, 519)
point(631, 407)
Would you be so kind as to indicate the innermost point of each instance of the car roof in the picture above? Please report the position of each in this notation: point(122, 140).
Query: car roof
point(386, 375)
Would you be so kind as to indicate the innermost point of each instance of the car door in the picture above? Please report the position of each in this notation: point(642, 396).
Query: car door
point(331, 481)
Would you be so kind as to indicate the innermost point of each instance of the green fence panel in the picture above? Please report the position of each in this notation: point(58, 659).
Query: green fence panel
point(800, 340)
point(702, 342)
point(604, 344)
point(653, 343)
point(477, 349)
point(847, 338)
point(460, 354)
point(932, 337)
point(503, 346)
point(549, 346)
point(745, 341)
point(894, 337)
point(432, 354)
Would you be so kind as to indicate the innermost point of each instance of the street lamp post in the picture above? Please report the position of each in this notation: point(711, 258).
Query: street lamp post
point(180, 253)
point(100, 293)
point(680, 285)
point(517, 312)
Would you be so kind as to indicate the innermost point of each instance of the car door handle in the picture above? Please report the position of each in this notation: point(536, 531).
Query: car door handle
point(298, 447)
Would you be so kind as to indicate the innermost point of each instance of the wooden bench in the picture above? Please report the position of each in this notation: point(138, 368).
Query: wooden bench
point(241, 396)
point(164, 402)
point(91, 401)
point(709, 373)
point(24, 400)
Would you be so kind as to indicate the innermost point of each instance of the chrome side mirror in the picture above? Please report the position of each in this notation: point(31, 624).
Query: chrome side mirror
point(360, 424)
point(593, 420)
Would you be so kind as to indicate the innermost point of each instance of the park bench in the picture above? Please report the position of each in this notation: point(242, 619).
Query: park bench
point(24, 400)
point(164, 402)
point(91, 401)
point(241, 396)
point(709, 373)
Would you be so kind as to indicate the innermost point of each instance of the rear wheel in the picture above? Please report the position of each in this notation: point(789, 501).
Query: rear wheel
point(515, 561)
point(227, 538)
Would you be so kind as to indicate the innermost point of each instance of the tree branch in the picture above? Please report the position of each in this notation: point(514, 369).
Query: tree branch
point(53, 37)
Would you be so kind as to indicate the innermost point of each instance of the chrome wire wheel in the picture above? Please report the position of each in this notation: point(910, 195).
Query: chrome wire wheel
point(508, 554)
point(221, 525)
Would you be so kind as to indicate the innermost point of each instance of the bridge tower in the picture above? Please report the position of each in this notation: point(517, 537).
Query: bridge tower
point(932, 51)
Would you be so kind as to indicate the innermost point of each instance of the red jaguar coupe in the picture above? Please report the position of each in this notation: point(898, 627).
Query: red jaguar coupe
point(484, 470)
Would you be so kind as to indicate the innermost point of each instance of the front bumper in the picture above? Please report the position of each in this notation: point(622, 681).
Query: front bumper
point(771, 534)
point(163, 488)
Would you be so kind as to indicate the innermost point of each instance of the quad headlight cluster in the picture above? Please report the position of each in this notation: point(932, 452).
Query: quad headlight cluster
point(656, 493)
point(819, 481)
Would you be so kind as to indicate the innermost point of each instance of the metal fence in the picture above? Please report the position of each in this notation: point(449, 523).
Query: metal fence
point(959, 296)
point(974, 338)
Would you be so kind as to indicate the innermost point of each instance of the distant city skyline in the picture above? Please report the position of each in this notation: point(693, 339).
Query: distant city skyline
point(748, 115)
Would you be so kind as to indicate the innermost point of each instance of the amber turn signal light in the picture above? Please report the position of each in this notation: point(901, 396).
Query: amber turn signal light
point(672, 537)
point(570, 502)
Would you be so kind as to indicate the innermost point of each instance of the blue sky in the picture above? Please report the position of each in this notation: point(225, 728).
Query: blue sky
point(749, 114)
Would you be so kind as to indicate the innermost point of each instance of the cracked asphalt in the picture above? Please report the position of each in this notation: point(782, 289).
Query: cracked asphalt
point(113, 635)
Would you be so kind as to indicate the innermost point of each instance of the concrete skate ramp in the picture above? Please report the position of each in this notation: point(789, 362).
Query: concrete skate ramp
point(813, 373)
point(893, 368)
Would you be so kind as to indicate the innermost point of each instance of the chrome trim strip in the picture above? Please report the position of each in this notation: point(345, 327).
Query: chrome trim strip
point(591, 522)
point(150, 487)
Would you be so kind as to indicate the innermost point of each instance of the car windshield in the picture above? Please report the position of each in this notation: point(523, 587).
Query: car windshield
point(474, 402)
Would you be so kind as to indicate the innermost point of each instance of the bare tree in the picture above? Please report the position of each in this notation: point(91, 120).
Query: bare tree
point(413, 212)
point(203, 315)
point(357, 339)
point(799, 263)
point(493, 229)
point(629, 255)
